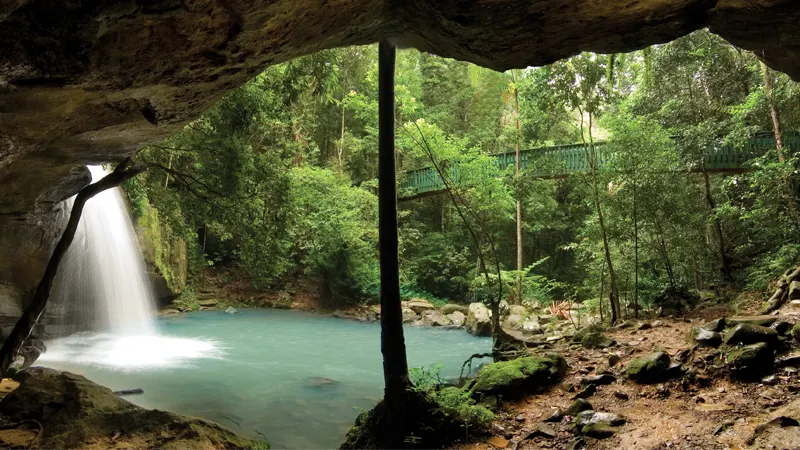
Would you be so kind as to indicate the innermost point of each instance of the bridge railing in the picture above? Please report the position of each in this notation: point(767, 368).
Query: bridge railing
point(560, 160)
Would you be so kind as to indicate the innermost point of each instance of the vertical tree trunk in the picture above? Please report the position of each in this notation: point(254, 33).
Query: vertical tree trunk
point(635, 250)
point(724, 260)
point(341, 141)
point(393, 348)
point(518, 196)
point(613, 294)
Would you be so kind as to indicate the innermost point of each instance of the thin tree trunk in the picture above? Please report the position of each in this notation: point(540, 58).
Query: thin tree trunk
point(602, 288)
point(341, 142)
point(30, 317)
point(393, 348)
point(519, 196)
point(725, 265)
point(166, 176)
point(635, 251)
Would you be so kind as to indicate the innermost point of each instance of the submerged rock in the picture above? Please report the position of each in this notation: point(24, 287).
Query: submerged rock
point(81, 414)
point(518, 376)
point(321, 382)
point(652, 368)
point(231, 310)
point(479, 321)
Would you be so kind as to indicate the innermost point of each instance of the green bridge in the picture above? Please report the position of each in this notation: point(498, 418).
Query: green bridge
point(568, 159)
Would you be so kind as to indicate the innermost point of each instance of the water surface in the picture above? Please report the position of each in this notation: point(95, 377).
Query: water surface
point(297, 378)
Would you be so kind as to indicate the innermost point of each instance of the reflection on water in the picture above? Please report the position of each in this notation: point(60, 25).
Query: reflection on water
point(298, 378)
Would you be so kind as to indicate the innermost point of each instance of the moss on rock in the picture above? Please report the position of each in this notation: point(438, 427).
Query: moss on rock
point(750, 361)
point(649, 369)
point(515, 377)
point(595, 340)
point(165, 252)
point(796, 332)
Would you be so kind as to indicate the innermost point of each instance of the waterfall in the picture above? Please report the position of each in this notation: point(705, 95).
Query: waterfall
point(102, 284)
point(102, 310)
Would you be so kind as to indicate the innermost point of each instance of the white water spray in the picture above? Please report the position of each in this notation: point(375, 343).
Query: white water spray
point(102, 292)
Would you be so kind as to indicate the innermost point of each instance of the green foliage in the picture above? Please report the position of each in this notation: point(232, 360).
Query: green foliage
point(453, 401)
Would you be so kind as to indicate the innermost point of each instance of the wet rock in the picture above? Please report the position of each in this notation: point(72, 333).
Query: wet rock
point(408, 315)
point(578, 406)
point(792, 360)
point(750, 360)
point(542, 430)
point(419, 305)
point(701, 336)
point(516, 377)
point(457, 318)
point(715, 325)
point(586, 392)
point(321, 382)
point(434, 318)
point(652, 368)
point(452, 307)
point(613, 359)
point(781, 326)
point(479, 322)
point(231, 310)
point(771, 380)
point(169, 312)
point(28, 353)
point(595, 340)
point(748, 333)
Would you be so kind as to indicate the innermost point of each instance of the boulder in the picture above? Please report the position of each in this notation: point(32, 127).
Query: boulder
point(578, 406)
point(452, 307)
point(457, 318)
point(716, 325)
point(781, 326)
point(794, 290)
point(81, 414)
point(518, 310)
point(598, 425)
point(28, 353)
point(409, 315)
point(513, 321)
point(531, 327)
point(701, 336)
point(514, 378)
point(746, 334)
point(479, 320)
point(795, 333)
point(751, 360)
point(652, 368)
point(503, 308)
point(593, 328)
point(208, 302)
point(763, 321)
point(595, 340)
point(434, 318)
point(418, 305)
point(598, 380)
point(231, 310)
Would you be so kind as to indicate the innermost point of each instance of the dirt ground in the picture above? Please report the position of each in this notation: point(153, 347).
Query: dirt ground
point(709, 412)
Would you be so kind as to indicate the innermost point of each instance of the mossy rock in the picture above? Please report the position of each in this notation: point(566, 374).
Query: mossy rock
point(79, 412)
point(511, 379)
point(750, 361)
point(702, 336)
point(796, 332)
point(595, 340)
point(652, 368)
point(580, 334)
point(747, 333)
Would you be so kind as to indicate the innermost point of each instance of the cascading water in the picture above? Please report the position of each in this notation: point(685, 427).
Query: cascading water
point(102, 300)
point(102, 280)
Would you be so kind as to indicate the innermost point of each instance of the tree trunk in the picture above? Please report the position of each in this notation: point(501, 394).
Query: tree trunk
point(725, 265)
point(635, 252)
point(393, 348)
point(31, 315)
point(613, 294)
point(341, 142)
point(519, 198)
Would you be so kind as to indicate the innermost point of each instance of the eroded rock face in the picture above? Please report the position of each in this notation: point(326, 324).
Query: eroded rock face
point(92, 82)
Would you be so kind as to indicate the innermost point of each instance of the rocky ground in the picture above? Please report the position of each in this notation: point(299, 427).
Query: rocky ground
point(648, 385)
